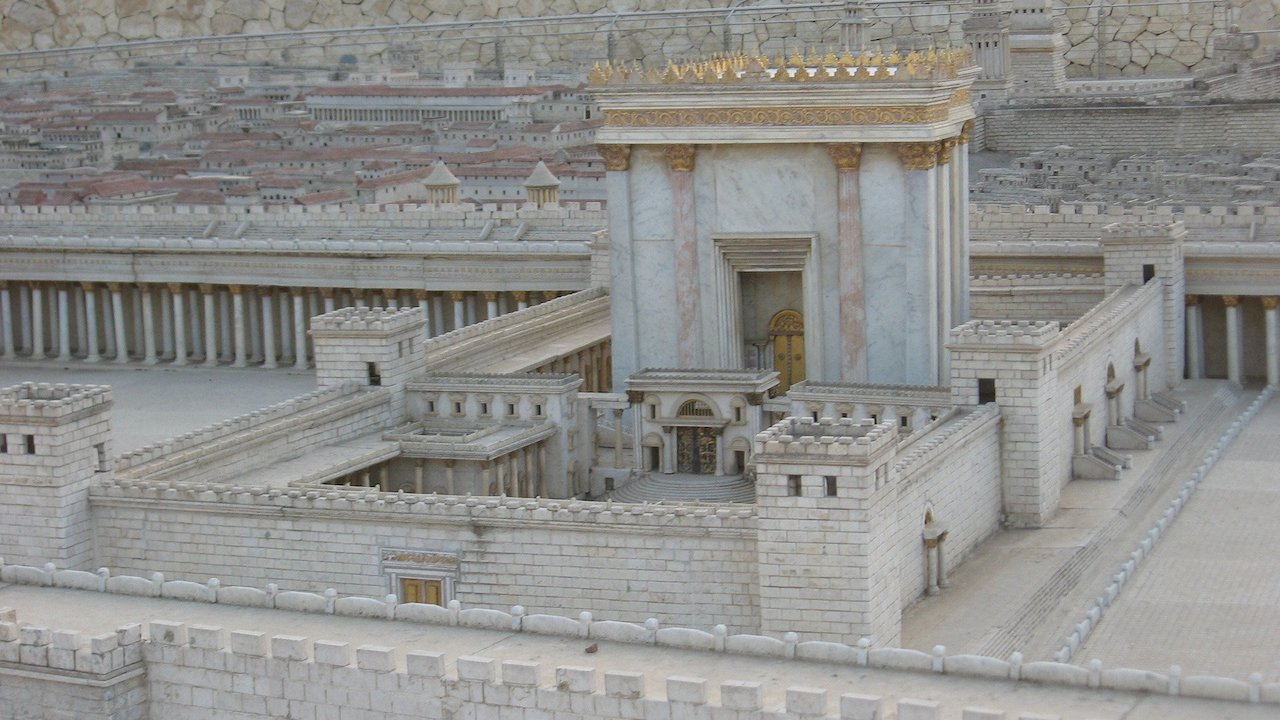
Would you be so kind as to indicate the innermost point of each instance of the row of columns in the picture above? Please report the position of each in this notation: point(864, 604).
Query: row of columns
point(1235, 338)
point(211, 324)
point(592, 363)
point(519, 473)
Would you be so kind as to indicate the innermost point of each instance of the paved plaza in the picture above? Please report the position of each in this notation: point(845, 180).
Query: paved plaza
point(1208, 598)
point(1022, 590)
point(155, 403)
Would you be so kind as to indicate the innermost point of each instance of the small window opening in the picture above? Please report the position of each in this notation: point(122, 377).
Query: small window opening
point(793, 485)
point(537, 410)
point(830, 485)
point(31, 444)
point(457, 408)
point(4, 443)
point(986, 390)
point(484, 408)
point(511, 409)
point(103, 463)
point(903, 421)
point(1148, 272)
point(375, 374)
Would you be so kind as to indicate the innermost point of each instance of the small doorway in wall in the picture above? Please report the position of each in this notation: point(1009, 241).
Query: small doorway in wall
point(652, 458)
point(422, 590)
point(696, 450)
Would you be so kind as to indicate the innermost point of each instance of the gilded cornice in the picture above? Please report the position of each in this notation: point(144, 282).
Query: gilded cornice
point(918, 155)
point(780, 116)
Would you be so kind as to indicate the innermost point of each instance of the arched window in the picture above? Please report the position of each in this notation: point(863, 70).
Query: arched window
point(695, 408)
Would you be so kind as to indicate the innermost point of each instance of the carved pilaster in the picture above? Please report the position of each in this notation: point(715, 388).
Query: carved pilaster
point(918, 155)
point(680, 157)
point(847, 156)
point(616, 157)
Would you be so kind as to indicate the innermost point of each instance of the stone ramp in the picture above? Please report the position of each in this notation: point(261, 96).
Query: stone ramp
point(1023, 589)
point(678, 487)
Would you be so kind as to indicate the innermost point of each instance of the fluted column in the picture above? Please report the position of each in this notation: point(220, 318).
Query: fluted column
point(6, 320)
point(64, 323)
point(853, 320)
point(237, 320)
point(1195, 338)
point(209, 300)
point(148, 324)
point(179, 324)
point(680, 159)
point(1235, 368)
point(522, 299)
point(37, 321)
point(1270, 304)
point(117, 321)
point(92, 353)
point(166, 321)
point(922, 359)
point(459, 309)
point(490, 305)
point(300, 331)
point(268, 329)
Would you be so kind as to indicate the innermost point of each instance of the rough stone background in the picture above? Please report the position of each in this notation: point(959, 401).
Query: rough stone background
point(1155, 39)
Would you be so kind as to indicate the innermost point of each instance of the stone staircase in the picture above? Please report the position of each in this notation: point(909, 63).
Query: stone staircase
point(655, 487)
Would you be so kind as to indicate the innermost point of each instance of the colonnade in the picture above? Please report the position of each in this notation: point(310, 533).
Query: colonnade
point(519, 473)
point(593, 363)
point(1235, 337)
point(188, 323)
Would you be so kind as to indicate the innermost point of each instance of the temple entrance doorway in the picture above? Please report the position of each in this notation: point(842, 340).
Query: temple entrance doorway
point(786, 335)
point(696, 450)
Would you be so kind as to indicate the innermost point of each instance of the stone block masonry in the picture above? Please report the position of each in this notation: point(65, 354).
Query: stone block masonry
point(686, 566)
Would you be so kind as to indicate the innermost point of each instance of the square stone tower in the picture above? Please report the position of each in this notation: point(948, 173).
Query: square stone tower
point(370, 346)
point(826, 498)
point(804, 214)
point(1136, 253)
point(55, 441)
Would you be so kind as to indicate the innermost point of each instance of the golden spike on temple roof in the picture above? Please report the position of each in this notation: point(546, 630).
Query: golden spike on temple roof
point(846, 59)
point(830, 59)
point(895, 58)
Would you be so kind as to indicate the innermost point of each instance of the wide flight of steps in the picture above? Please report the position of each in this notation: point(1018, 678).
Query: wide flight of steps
point(676, 488)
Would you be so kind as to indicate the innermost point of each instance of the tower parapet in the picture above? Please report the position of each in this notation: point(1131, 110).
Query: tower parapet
point(55, 440)
point(837, 577)
point(370, 346)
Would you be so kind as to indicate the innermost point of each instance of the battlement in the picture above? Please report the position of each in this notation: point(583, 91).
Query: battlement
point(843, 438)
point(1027, 333)
point(438, 508)
point(42, 403)
point(1130, 231)
point(366, 320)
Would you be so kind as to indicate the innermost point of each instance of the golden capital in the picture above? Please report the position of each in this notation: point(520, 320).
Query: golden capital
point(918, 155)
point(86, 286)
point(115, 287)
point(326, 292)
point(456, 295)
point(489, 296)
point(1270, 302)
point(521, 295)
point(206, 289)
point(679, 157)
point(847, 156)
point(616, 157)
point(1191, 300)
point(1231, 300)
point(419, 294)
point(175, 288)
point(948, 146)
point(965, 131)
point(235, 289)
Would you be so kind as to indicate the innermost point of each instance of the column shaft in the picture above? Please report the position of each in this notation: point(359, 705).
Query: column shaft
point(1235, 368)
point(6, 320)
point(209, 300)
point(237, 319)
point(148, 325)
point(300, 331)
point(92, 353)
point(37, 322)
point(1195, 339)
point(64, 324)
point(268, 329)
point(853, 321)
point(117, 320)
point(179, 324)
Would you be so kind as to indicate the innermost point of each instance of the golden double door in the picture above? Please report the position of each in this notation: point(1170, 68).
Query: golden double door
point(786, 331)
point(696, 450)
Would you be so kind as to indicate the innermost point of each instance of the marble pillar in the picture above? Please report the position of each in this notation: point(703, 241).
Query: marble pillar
point(922, 360)
point(24, 316)
point(424, 305)
point(37, 321)
point(64, 323)
point(299, 330)
point(522, 299)
point(1195, 338)
point(148, 325)
point(1269, 305)
point(6, 320)
point(680, 159)
point(237, 320)
point(209, 300)
point(459, 309)
point(92, 352)
point(326, 293)
point(179, 323)
point(166, 321)
point(853, 320)
point(490, 305)
point(117, 321)
point(268, 329)
point(1235, 334)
